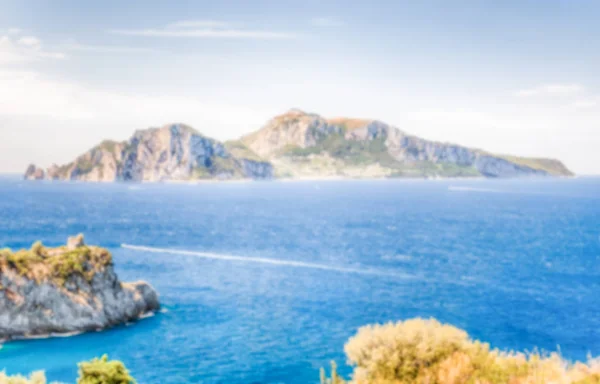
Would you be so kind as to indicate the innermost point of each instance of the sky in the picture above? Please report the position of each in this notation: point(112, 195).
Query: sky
point(514, 77)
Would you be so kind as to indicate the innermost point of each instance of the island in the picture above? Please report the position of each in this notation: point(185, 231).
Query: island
point(64, 290)
point(293, 145)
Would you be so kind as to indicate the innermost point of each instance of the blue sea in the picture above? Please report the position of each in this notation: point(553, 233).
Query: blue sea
point(263, 282)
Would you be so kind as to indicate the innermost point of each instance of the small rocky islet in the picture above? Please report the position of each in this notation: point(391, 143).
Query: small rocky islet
point(68, 289)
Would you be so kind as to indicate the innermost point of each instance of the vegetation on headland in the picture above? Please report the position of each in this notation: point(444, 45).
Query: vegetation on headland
point(95, 371)
point(104, 371)
point(239, 150)
point(415, 351)
point(422, 351)
point(42, 263)
point(552, 166)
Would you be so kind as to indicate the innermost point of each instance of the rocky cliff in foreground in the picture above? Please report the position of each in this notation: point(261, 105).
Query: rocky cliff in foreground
point(73, 288)
point(292, 145)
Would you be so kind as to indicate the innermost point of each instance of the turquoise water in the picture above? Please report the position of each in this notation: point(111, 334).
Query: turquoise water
point(264, 282)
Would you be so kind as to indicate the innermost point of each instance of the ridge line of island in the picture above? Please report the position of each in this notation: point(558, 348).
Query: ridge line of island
point(294, 145)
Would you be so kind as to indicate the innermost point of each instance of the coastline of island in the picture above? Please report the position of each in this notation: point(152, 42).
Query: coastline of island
point(295, 145)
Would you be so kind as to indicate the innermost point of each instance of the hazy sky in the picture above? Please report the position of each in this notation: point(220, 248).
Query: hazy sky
point(519, 77)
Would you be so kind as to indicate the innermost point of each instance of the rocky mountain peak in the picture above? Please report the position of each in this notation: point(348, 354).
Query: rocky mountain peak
point(349, 124)
point(171, 152)
point(295, 111)
point(294, 128)
point(293, 144)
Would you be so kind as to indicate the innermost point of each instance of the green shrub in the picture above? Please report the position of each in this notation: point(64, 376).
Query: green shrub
point(23, 260)
point(103, 371)
point(69, 263)
point(55, 264)
point(95, 371)
point(38, 249)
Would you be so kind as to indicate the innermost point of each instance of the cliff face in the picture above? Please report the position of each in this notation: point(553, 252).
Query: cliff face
point(173, 152)
point(45, 291)
point(302, 144)
point(295, 144)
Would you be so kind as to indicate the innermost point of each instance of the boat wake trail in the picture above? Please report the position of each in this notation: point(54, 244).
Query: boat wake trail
point(474, 189)
point(264, 260)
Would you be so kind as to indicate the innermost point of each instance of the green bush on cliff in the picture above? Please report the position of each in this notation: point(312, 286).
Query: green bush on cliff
point(95, 371)
point(38, 249)
point(351, 151)
point(85, 165)
point(56, 264)
point(103, 371)
point(23, 260)
point(69, 263)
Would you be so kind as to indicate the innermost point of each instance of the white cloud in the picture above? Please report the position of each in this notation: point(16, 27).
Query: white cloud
point(199, 24)
point(453, 116)
point(30, 41)
point(326, 22)
point(8, 52)
point(29, 94)
point(584, 104)
point(206, 33)
point(568, 97)
point(26, 93)
point(205, 29)
point(36, 110)
point(14, 31)
point(74, 46)
point(24, 49)
point(550, 90)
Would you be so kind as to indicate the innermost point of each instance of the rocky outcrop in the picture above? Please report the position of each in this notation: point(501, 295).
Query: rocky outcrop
point(258, 169)
point(74, 242)
point(34, 173)
point(69, 289)
point(173, 152)
point(305, 144)
point(295, 144)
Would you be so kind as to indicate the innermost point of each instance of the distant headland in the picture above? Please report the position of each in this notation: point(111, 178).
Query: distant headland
point(294, 145)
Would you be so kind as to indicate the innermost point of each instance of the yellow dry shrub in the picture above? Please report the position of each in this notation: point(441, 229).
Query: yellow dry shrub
point(425, 351)
point(35, 378)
